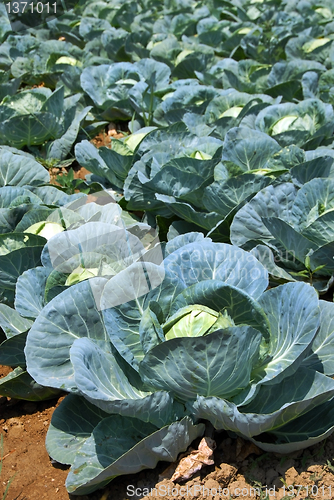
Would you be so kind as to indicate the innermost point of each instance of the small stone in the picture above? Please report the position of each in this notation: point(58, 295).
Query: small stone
point(314, 468)
point(211, 485)
point(13, 421)
point(16, 430)
point(226, 474)
point(291, 475)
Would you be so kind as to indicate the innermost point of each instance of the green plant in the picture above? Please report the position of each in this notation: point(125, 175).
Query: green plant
point(315, 477)
point(49, 163)
point(40, 117)
point(33, 288)
point(256, 461)
point(297, 234)
point(320, 453)
point(195, 338)
point(72, 185)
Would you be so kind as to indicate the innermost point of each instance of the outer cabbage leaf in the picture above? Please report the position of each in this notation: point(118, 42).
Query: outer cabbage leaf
point(223, 197)
point(104, 162)
point(269, 202)
point(60, 148)
point(106, 380)
point(246, 150)
point(18, 252)
point(70, 315)
point(218, 364)
point(11, 351)
point(294, 316)
point(30, 290)
point(314, 199)
point(206, 220)
point(18, 170)
point(265, 255)
point(19, 384)
point(295, 243)
point(304, 431)
point(197, 262)
point(320, 357)
point(182, 240)
point(124, 445)
point(125, 298)
point(62, 443)
point(11, 322)
point(308, 170)
point(273, 407)
point(81, 431)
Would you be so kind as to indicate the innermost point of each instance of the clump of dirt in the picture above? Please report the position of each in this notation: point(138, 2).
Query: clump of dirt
point(241, 470)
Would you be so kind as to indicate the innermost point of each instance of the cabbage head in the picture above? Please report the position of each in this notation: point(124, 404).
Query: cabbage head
point(153, 352)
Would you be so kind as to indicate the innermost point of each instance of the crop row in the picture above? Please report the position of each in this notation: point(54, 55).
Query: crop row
point(181, 285)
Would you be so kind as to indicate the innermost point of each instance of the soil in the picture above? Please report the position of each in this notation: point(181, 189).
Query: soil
point(79, 173)
point(112, 131)
point(104, 138)
point(24, 425)
point(240, 469)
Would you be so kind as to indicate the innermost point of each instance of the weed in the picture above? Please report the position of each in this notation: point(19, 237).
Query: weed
point(262, 489)
point(1, 460)
point(291, 492)
point(320, 453)
point(259, 459)
point(306, 456)
point(315, 477)
point(72, 185)
point(330, 466)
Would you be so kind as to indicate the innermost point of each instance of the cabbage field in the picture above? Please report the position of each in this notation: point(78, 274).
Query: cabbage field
point(187, 283)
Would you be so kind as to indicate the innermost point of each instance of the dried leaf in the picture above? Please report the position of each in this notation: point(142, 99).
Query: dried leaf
point(195, 460)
